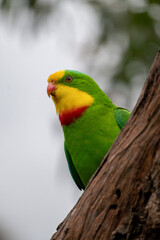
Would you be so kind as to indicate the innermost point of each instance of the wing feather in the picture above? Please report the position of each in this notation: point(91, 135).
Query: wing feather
point(73, 170)
point(121, 116)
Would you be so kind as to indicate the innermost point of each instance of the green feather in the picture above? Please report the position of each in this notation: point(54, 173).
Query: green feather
point(72, 169)
point(121, 115)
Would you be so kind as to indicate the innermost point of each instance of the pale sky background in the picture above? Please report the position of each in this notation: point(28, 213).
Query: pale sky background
point(36, 189)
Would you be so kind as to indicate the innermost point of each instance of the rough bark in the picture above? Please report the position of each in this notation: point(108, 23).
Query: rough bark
point(122, 200)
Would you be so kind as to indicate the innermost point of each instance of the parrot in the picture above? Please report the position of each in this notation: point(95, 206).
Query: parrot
point(89, 119)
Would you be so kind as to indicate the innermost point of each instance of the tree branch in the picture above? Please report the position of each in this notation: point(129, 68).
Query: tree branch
point(122, 200)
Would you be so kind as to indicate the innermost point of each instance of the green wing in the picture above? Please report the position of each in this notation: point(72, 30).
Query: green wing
point(121, 116)
point(72, 169)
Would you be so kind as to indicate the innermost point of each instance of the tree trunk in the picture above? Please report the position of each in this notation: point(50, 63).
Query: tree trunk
point(122, 200)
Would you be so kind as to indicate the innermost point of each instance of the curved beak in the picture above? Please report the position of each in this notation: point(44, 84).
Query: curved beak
point(51, 89)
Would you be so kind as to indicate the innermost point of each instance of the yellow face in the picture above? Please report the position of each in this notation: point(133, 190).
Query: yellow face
point(56, 76)
point(66, 97)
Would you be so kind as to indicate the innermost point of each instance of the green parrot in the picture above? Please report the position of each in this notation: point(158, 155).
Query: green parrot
point(90, 121)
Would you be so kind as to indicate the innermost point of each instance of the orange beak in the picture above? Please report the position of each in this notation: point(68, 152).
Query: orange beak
point(51, 89)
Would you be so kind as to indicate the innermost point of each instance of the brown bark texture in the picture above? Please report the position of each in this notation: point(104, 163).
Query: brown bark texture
point(122, 200)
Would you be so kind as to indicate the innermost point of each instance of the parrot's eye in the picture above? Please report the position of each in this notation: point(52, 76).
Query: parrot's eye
point(68, 79)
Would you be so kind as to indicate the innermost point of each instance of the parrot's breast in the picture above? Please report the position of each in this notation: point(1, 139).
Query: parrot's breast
point(89, 138)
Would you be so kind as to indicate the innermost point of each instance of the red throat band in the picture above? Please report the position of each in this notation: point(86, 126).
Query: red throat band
point(69, 116)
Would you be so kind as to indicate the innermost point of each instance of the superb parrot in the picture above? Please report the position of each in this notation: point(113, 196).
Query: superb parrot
point(90, 121)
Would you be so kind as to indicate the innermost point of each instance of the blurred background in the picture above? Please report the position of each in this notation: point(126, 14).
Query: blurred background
point(113, 41)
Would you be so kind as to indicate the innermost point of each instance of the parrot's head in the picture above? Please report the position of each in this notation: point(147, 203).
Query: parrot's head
point(72, 92)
